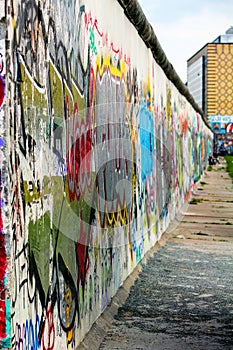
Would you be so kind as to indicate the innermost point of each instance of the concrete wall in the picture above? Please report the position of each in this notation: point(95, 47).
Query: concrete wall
point(5, 316)
point(99, 151)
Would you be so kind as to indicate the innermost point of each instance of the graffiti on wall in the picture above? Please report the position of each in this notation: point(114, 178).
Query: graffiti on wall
point(92, 166)
point(4, 301)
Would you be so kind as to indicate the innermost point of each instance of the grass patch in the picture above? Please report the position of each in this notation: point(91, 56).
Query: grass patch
point(200, 233)
point(203, 183)
point(229, 168)
point(220, 240)
point(196, 200)
point(209, 168)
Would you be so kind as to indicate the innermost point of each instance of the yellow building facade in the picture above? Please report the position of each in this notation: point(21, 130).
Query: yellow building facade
point(219, 79)
point(210, 81)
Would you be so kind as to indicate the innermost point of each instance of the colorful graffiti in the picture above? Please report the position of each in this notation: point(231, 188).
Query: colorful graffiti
point(3, 261)
point(95, 153)
point(2, 90)
point(4, 301)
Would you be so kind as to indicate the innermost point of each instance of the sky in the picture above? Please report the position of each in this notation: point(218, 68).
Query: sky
point(184, 27)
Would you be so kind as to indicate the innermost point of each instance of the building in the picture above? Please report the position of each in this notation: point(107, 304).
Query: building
point(210, 81)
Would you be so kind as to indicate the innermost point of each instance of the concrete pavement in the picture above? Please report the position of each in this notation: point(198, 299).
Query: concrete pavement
point(181, 296)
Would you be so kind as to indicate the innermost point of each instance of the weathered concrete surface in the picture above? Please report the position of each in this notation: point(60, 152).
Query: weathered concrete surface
point(183, 296)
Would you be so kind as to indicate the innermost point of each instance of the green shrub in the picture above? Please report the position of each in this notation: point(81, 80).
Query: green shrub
point(229, 169)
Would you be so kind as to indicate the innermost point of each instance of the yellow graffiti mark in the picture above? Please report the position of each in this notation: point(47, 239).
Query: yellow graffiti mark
point(34, 101)
point(31, 194)
point(50, 185)
point(79, 98)
point(68, 302)
point(169, 109)
point(56, 93)
point(13, 22)
point(103, 64)
point(111, 218)
point(65, 94)
point(124, 215)
point(149, 94)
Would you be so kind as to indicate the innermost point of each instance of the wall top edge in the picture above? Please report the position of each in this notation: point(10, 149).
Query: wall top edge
point(136, 16)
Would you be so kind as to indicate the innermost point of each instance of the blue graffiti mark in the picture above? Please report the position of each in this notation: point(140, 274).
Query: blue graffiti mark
point(2, 142)
point(147, 141)
point(27, 335)
point(134, 235)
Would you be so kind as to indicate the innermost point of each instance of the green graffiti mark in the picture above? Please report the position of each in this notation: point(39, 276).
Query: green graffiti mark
point(35, 104)
point(92, 41)
point(138, 254)
point(39, 238)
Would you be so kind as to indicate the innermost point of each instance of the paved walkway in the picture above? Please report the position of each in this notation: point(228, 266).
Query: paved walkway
point(183, 296)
